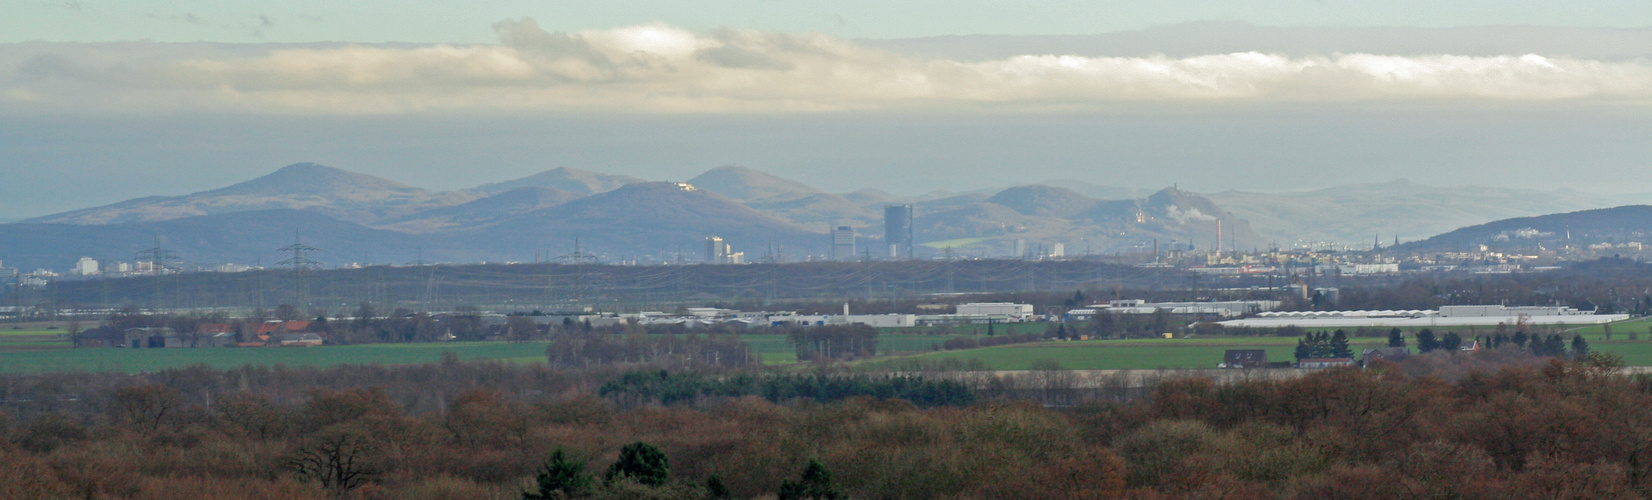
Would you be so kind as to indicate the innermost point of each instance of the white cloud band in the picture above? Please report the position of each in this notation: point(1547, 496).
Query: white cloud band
point(658, 68)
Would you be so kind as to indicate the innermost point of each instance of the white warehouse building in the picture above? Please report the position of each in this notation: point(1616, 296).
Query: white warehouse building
point(1446, 316)
point(995, 309)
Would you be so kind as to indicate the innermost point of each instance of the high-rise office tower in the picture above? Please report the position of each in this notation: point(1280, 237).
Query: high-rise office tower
point(897, 230)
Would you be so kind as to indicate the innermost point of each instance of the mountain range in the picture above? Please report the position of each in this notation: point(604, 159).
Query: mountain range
point(357, 217)
point(1401, 208)
point(1608, 226)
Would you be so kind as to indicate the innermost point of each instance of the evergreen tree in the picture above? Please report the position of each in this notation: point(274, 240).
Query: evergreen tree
point(1555, 346)
point(816, 484)
point(1580, 347)
point(1339, 346)
point(1316, 344)
point(560, 477)
point(641, 462)
point(1396, 338)
point(1520, 339)
point(1426, 341)
point(1450, 342)
point(1302, 350)
point(715, 490)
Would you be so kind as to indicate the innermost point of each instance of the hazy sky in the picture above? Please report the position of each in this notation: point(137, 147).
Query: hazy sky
point(459, 22)
point(1337, 92)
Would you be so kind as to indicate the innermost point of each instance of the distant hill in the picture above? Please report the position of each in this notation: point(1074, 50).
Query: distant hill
point(745, 184)
point(625, 217)
point(1362, 212)
point(1043, 201)
point(482, 212)
point(341, 194)
point(788, 199)
point(241, 237)
point(650, 219)
point(1098, 191)
point(564, 179)
point(1632, 223)
point(1040, 215)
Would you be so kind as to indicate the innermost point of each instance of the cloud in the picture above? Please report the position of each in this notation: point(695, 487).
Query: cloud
point(662, 68)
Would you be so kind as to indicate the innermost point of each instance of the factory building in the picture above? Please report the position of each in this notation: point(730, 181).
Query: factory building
point(1225, 309)
point(1446, 316)
point(995, 309)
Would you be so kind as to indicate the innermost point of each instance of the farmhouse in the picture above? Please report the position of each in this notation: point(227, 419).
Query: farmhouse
point(284, 334)
point(144, 338)
point(1391, 354)
point(1245, 358)
point(214, 335)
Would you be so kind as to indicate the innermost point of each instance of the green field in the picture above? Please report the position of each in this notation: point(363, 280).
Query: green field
point(32, 340)
point(31, 333)
point(1620, 330)
point(1150, 354)
point(42, 355)
point(962, 330)
point(47, 350)
point(1138, 354)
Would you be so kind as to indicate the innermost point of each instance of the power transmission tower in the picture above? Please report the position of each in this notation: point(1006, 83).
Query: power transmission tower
point(578, 256)
point(951, 269)
point(301, 265)
point(580, 259)
point(158, 259)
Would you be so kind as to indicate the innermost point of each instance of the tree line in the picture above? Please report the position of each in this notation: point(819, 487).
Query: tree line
point(1503, 425)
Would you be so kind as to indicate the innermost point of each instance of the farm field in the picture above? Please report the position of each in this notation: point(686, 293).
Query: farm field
point(964, 330)
point(39, 350)
point(1642, 327)
point(42, 356)
point(32, 340)
point(1204, 353)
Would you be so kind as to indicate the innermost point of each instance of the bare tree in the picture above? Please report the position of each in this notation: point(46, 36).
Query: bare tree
point(340, 457)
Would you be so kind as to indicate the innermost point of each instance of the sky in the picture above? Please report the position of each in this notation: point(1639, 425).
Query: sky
point(109, 100)
point(446, 21)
